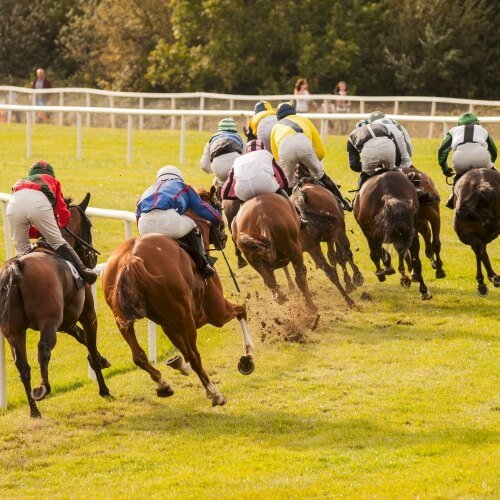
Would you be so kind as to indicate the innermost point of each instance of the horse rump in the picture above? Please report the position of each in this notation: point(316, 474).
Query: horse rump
point(10, 279)
point(395, 223)
point(261, 248)
point(478, 205)
point(321, 222)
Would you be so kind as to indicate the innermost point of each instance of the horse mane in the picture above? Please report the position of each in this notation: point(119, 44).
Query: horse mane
point(68, 200)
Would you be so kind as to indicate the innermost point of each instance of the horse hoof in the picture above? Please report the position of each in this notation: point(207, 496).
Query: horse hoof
point(426, 296)
point(280, 298)
point(358, 279)
point(107, 396)
point(349, 287)
point(440, 274)
point(380, 276)
point(219, 400)
point(104, 363)
point(414, 278)
point(482, 290)
point(495, 280)
point(405, 282)
point(39, 393)
point(246, 365)
point(164, 392)
point(389, 270)
point(315, 321)
point(35, 414)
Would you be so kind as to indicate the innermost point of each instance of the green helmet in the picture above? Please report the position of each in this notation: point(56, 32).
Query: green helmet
point(41, 167)
point(376, 115)
point(227, 125)
point(468, 119)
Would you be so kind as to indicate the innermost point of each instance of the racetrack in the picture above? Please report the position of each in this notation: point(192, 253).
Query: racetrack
point(397, 399)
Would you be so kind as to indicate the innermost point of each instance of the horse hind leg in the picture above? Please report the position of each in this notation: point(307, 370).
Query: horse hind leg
point(376, 255)
point(139, 357)
point(336, 257)
point(291, 285)
point(482, 289)
point(301, 280)
point(405, 279)
point(386, 259)
point(437, 263)
point(48, 339)
point(17, 342)
point(417, 266)
point(79, 335)
point(492, 275)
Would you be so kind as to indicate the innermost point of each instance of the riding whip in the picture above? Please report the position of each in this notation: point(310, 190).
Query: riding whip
point(233, 276)
point(82, 242)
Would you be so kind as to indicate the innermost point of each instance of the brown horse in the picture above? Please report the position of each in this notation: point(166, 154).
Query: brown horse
point(152, 276)
point(267, 231)
point(386, 209)
point(39, 292)
point(477, 218)
point(323, 221)
point(428, 219)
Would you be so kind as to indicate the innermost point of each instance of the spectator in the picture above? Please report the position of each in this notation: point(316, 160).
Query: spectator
point(342, 106)
point(40, 82)
point(301, 88)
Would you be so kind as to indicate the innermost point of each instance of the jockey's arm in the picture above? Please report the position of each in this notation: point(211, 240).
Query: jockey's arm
point(317, 142)
point(398, 151)
point(202, 209)
point(354, 159)
point(205, 163)
point(444, 151)
point(61, 211)
point(492, 148)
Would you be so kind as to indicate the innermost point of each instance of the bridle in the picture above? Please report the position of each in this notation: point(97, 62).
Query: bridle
point(83, 244)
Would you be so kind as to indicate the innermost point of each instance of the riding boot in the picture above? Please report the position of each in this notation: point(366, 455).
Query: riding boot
point(450, 203)
point(66, 252)
point(195, 242)
point(333, 188)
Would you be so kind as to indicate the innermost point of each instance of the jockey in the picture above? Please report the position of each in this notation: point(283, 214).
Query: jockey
point(372, 147)
point(221, 151)
point(473, 147)
point(37, 200)
point(254, 173)
point(262, 123)
point(295, 140)
point(399, 132)
point(161, 210)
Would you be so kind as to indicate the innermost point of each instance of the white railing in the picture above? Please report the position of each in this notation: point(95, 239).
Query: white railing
point(323, 118)
point(128, 218)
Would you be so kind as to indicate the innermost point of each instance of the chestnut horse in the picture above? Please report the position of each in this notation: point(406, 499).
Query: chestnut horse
point(153, 277)
point(39, 292)
point(477, 218)
point(267, 230)
point(386, 209)
point(323, 221)
point(428, 219)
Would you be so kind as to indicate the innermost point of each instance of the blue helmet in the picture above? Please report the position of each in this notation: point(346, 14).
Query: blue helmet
point(284, 109)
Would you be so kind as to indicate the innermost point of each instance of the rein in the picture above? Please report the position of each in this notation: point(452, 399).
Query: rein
point(81, 241)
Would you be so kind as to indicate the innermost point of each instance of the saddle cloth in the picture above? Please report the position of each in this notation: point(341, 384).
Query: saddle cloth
point(79, 283)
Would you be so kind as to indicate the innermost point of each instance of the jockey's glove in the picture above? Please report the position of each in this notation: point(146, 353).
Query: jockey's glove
point(449, 172)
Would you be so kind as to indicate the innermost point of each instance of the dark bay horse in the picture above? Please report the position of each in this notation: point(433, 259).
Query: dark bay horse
point(39, 292)
point(386, 209)
point(267, 231)
point(477, 218)
point(152, 276)
point(323, 221)
point(428, 218)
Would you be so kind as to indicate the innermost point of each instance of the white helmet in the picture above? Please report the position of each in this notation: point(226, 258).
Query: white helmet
point(169, 172)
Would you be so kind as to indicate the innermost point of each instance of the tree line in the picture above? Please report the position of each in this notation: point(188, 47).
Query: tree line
point(380, 47)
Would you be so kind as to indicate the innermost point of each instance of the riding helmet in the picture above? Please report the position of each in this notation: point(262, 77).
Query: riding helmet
point(376, 115)
point(41, 167)
point(468, 119)
point(284, 109)
point(227, 125)
point(255, 145)
point(262, 106)
point(169, 172)
point(362, 123)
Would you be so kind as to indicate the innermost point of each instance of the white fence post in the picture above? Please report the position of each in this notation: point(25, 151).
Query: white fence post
point(323, 129)
point(396, 108)
point(88, 104)
point(3, 374)
point(431, 124)
point(172, 119)
point(182, 153)
point(112, 105)
point(6, 232)
point(9, 112)
point(200, 119)
point(129, 140)
point(152, 355)
point(361, 106)
point(61, 103)
point(141, 117)
point(78, 136)
point(29, 117)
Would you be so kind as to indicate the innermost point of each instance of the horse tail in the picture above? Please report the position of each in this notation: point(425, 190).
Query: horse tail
point(10, 279)
point(395, 223)
point(322, 222)
point(127, 300)
point(260, 247)
point(478, 205)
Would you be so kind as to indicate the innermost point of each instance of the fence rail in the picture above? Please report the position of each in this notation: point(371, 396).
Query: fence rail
point(128, 218)
point(323, 118)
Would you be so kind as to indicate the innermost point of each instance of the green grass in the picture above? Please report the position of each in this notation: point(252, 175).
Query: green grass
point(398, 399)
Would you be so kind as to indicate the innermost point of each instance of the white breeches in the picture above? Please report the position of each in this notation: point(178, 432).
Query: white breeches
point(471, 155)
point(221, 165)
point(29, 206)
point(248, 188)
point(378, 151)
point(167, 222)
point(295, 149)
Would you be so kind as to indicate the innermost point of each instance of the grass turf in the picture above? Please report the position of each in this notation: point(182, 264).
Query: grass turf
point(398, 399)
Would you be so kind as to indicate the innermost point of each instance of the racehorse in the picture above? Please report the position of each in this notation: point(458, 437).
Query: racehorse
point(323, 221)
point(386, 209)
point(428, 218)
point(39, 292)
point(152, 276)
point(477, 218)
point(267, 230)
